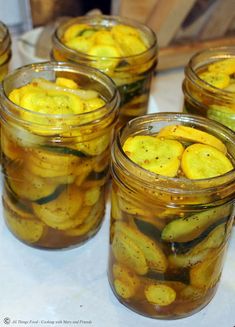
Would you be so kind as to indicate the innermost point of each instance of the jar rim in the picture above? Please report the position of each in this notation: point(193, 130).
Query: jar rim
point(66, 67)
point(157, 182)
point(107, 18)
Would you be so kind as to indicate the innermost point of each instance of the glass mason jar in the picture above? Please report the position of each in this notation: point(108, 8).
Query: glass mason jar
point(56, 166)
point(132, 74)
point(204, 99)
point(5, 50)
point(175, 277)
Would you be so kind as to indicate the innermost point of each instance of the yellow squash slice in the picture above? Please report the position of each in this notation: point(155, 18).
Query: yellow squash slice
point(201, 161)
point(51, 164)
point(80, 44)
point(23, 224)
point(226, 66)
point(159, 156)
point(216, 79)
point(206, 274)
point(152, 251)
point(91, 221)
point(190, 134)
point(29, 186)
point(63, 212)
point(29, 231)
point(129, 254)
point(160, 294)
point(74, 30)
point(126, 282)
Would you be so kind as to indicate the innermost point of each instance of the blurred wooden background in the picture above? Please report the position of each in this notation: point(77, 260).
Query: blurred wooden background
point(183, 27)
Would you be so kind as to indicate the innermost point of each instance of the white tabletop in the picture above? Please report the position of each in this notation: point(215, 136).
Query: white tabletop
point(70, 288)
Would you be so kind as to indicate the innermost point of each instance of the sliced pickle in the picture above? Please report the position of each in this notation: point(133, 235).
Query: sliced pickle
point(66, 82)
point(10, 148)
point(30, 230)
point(115, 208)
point(188, 228)
point(51, 102)
point(186, 133)
point(74, 30)
point(200, 251)
point(79, 44)
point(91, 221)
point(91, 196)
point(95, 146)
point(191, 293)
point(23, 224)
point(226, 66)
point(132, 208)
point(123, 289)
point(51, 164)
point(129, 254)
point(27, 185)
point(160, 294)
point(201, 161)
point(156, 155)
point(103, 37)
point(152, 251)
point(63, 212)
point(126, 283)
point(82, 171)
point(216, 79)
point(207, 273)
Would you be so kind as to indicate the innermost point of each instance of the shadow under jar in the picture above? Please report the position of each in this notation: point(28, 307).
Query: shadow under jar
point(5, 50)
point(123, 49)
point(55, 165)
point(209, 85)
point(168, 235)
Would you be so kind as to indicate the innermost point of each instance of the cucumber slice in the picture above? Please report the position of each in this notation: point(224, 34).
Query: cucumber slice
point(63, 212)
point(74, 30)
point(185, 247)
point(97, 175)
point(152, 251)
point(29, 186)
point(129, 91)
point(51, 196)
point(66, 150)
point(189, 228)
point(198, 253)
point(148, 229)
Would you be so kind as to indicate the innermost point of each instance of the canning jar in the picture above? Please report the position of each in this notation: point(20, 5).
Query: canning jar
point(55, 165)
point(110, 43)
point(168, 236)
point(5, 50)
point(211, 95)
